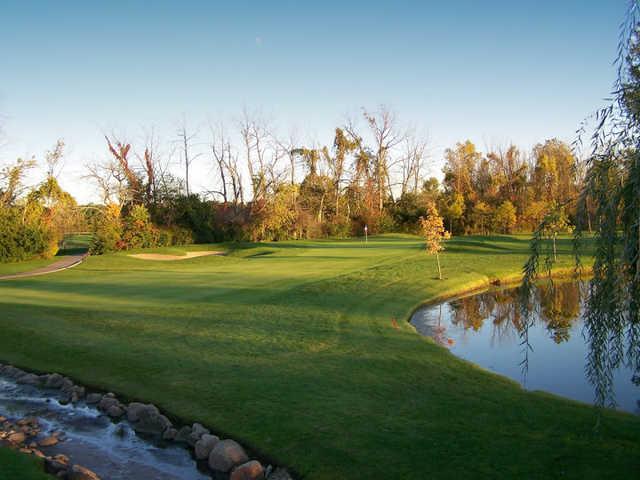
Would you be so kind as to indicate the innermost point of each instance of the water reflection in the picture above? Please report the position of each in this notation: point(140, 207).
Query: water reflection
point(546, 349)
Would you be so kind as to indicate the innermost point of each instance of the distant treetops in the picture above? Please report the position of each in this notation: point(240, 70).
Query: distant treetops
point(264, 187)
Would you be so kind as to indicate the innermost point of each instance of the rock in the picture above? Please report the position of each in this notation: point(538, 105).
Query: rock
point(78, 472)
point(12, 372)
point(38, 453)
point(17, 438)
point(252, 470)
point(29, 379)
point(48, 442)
point(151, 421)
point(77, 392)
point(227, 454)
point(56, 464)
point(280, 474)
point(28, 421)
point(67, 385)
point(197, 431)
point(135, 409)
point(114, 411)
point(54, 380)
point(94, 398)
point(107, 402)
point(204, 446)
point(169, 434)
point(183, 435)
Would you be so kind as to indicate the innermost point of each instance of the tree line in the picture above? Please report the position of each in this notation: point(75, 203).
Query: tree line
point(264, 187)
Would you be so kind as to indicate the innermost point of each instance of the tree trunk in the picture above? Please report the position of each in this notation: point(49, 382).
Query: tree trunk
point(439, 269)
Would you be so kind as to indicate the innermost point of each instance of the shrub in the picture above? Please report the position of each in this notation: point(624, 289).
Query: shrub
point(21, 240)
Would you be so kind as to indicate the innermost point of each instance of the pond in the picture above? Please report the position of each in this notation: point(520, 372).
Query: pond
point(488, 329)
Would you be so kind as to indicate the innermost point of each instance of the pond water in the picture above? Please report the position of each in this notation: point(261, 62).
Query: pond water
point(113, 451)
point(487, 329)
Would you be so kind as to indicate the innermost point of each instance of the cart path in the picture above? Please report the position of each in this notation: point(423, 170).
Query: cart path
point(67, 262)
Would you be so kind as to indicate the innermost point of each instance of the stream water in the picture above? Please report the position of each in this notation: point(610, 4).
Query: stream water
point(487, 329)
point(112, 450)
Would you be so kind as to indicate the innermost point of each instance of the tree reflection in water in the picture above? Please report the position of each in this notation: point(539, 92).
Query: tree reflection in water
point(559, 309)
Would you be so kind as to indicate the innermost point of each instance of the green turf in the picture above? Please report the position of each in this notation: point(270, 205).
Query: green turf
point(291, 348)
point(14, 466)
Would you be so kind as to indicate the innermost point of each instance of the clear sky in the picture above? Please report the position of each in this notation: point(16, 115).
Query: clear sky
point(491, 71)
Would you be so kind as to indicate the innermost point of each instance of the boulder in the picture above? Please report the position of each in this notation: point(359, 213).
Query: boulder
point(54, 380)
point(94, 398)
point(114, 411)
point(135, 409)
point(197, 431)
point(107, 402)
point(77, 392)
point(227, 454)
point(251, 470)
point(170, 434)
point(12, 372)
point(56, 464)
point(67, 385)
point(204, 446)
point(48, 442)
point(280, 474)
point(150, 421)
point(183, 435)
point(29, 379)
point(17, 438)
point(78, 472)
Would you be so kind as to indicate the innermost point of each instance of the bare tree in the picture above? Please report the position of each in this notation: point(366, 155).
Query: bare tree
point(412, 162)
point(386, 136)
point(53, 159)
point(186, 139)
point(255, 138)
point(220, 150)
point(226, 163)
point(110, 180)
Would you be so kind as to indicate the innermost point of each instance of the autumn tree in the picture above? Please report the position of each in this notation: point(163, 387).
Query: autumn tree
point(504, 217)
point(556, 222)
point(434, 233)
point(482, 215)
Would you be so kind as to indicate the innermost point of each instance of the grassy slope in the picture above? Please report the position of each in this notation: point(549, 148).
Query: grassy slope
point(290, 348)
point(14, 465)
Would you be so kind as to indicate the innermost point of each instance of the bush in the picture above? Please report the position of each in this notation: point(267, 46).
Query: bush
point(108, 234)
point(22, 240)
point(135, 230)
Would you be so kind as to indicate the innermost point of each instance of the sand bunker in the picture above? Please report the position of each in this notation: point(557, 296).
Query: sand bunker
point(171, 258)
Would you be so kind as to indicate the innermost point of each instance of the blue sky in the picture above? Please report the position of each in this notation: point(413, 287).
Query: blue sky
point(491, 71)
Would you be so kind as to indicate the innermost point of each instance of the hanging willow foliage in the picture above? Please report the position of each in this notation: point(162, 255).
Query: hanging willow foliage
point(612, 188)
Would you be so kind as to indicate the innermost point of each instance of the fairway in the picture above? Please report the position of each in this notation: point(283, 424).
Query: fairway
point(301, 351)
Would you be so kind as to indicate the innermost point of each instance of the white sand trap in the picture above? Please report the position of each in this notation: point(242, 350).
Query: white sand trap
point(171, 258)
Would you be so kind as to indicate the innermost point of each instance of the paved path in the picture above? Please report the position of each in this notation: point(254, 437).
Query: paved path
point(67, 262)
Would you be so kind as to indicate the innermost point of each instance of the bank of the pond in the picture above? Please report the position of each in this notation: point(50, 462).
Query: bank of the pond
point(486, 328)
point(504, 281)
point(298, 350)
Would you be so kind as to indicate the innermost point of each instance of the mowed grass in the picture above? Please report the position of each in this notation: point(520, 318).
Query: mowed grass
point(292, 349)
point(15, 465)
